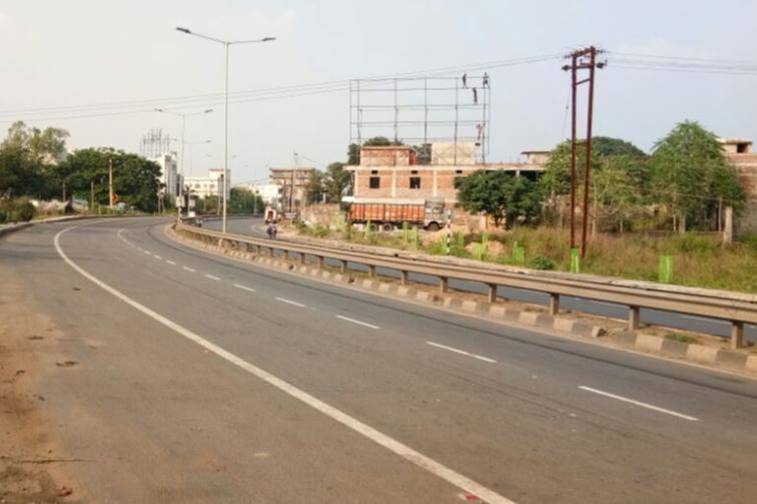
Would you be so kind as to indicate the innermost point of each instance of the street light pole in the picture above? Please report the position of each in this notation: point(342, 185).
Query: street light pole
point(227, 44)
point(183, 116)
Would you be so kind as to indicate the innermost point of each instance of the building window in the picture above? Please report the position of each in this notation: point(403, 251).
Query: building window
point(374, 182)
point(413, 172)
point(374, 172)
point(458, 172)
point(415, 182)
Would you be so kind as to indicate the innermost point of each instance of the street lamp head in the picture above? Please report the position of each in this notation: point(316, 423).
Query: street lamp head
point(207, 111)
point(183, 30)
point(268, 39)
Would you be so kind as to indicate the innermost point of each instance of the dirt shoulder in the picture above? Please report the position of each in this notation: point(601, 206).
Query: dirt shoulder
point(31, 464)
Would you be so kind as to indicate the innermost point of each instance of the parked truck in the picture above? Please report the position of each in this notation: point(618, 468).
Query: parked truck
point(389, 214)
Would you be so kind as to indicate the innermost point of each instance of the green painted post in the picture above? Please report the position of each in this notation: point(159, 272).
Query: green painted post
point(405, 231)
point(519, 254)
point(665, 274)
point(575, 260)
point(367, 233)
point(415, 237)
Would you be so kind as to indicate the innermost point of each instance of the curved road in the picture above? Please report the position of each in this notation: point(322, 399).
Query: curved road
point(203, 379)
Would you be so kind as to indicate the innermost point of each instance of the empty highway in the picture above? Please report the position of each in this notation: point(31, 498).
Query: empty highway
point(196, 378)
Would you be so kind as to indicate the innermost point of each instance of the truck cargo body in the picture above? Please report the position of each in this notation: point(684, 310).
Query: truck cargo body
point(387, 215)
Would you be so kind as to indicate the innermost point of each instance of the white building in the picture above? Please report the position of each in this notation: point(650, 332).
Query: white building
point(209, 185)
point(269, 193)
point(169, 176)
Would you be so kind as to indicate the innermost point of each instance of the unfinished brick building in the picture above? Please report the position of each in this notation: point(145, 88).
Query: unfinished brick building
point(392, 172)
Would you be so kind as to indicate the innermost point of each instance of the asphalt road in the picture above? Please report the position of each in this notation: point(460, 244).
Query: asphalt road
point(255, 227)
point(201, 379)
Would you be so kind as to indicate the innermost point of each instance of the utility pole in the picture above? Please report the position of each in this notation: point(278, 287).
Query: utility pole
point(582, 59)
point(110, 183)
point(92, 196)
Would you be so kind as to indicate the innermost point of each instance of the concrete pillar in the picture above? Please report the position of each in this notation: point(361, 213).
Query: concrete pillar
point(737, 334)
point(554, 304)
point(728, 227)
point(394, 182)
point(403, 277)
point(492, 293)
point(633, 318)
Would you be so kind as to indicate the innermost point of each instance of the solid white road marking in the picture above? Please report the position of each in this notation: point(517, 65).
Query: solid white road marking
point(639, 403)
point(356, 425)
point(212, 277)
point(289, 301)
point(171, 262)
point(187, 268)
point(158, 257)
point(366, 324)
point(244, 287)
point(462, 352)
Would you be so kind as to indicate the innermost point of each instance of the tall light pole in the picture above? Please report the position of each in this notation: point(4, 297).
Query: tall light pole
point(183, 116)
point(226, 44)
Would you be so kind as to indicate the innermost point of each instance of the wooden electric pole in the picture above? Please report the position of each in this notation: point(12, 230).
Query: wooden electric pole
point(582, 59)
point(110, 183)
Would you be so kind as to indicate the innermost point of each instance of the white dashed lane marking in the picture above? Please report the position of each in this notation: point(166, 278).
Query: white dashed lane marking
point(462, 352)
point(171, 262)
point(244, 287)
point(212, 277)
point(289, 301)
point(638, 403)
point(358, 322)
point(187, 268)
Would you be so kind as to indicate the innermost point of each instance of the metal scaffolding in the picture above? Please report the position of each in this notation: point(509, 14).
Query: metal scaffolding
point(422, 110)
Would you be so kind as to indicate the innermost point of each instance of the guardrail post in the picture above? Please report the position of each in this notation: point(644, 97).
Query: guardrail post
point(371, 271)
point(302, 257)
point(443, 285)
point(492, 293)
point(633, 318)
point(737, 334)
point(403, 277)
point(554, 304)
point(286, 255)
point(320, 262)
point(343, 267)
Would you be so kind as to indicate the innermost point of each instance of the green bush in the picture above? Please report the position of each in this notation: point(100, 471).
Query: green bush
point(542, 263)
point(18, 210)
point(695, 243)
point(2, 216)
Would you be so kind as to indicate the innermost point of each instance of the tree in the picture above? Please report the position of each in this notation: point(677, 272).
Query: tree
point(501, 195)
point(244, 201)
point(29, 161)
point(691, 175)
point(556, 177)
point(135, 179)
point(337, 182)
point(314, 187)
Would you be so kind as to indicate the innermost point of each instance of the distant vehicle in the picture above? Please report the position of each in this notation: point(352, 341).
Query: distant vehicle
point(391, 213)
point(271, 215)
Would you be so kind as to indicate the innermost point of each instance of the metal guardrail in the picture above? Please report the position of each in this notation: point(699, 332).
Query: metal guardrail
point(738, 309)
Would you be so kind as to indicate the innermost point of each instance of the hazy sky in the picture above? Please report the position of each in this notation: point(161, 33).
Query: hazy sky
point(89, 52)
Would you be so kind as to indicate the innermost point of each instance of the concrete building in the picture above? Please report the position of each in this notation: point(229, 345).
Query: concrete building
point(210, 185)
point(391, 172)
point(170, 179)
point(739, 153)
point(285, 178)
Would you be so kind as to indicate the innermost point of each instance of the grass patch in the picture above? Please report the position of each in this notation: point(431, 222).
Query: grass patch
point(681, 338)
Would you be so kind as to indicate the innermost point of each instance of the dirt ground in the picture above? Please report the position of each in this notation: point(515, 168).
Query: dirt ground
point(31, 465)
